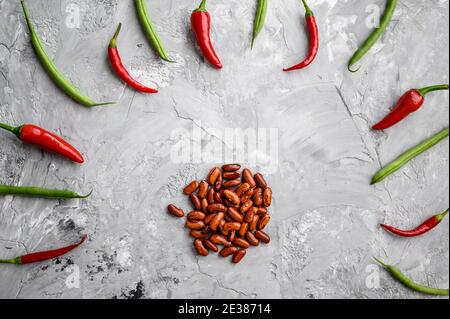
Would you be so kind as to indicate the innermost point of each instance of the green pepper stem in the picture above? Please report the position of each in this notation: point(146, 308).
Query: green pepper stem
point(15, 261)
point(309, 12)
point(15, 130)
point(113, 42)
point(424, 91)
point(202, 7)
point(380, 262)
point(441, 217)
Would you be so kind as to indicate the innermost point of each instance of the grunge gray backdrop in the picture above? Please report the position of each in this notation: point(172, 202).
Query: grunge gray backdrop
point(325, 214)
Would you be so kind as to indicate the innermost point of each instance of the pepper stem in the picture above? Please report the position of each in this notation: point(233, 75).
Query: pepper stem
point(380, 262)
point(15, 261)
point(202, 7)
point(15, 130)
point(113, 42)
point(440, 217)
point(309, 12)
point(424, 91)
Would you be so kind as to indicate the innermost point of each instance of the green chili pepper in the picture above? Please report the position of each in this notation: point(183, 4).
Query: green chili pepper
point(409, 155)
point(376, 34)
point(260, 19)
point(398, 275)
point(51, 69)
point(149, 30)
point(39, 192)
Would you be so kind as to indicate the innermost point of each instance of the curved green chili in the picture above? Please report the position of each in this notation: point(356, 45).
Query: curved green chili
point(260, 19)
point(376, 34)
point(398, 275)
point(150, 31)
point(51, 69)
point(38, 192)
point(409, 155)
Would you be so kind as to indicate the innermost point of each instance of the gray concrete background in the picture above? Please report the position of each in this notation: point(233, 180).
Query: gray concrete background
point(325, 215)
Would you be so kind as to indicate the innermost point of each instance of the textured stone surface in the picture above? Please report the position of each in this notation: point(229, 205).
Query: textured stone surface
point(325, 214)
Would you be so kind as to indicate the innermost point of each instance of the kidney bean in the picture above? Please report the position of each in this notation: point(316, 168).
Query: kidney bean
point(196, 202)
point(230, 204)
point(232, 183)
point(205, 205)
point(250, 215)
point(218, 198)
point(267, 197)
point(232, 236)
point(191, 188)
point(262, 211)
point(196, 225)
point(199, 234)
point(208, 231)
point(235, 215)
point(246, 206)
point(258, 197)
point(222, 230)
point(263, 222)
point(210, 196)
point(232, 226)
point(196, 215)
point(237, 257)
point(254, 224)
point(247, 175)
point(231, 167)
point(262, 236)
point(175, 211)
point(252, 239)
point(200, 248)
point(228, 251)
point(243, 189)
point(209, 244)
point(247, 196)
point(259, 179)
point(213, 175)
point(240, 242)
point(218, 185)
point(202, 189)
point(228, 219)
point(232, 197)
point(215, 222)
point(215, 208)
point(231, 175)
point(243, 230)
point(220, 240)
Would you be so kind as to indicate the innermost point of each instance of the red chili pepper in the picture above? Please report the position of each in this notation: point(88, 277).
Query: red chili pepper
point(201, 26)
point(42, 256)
point(422, 229)
point(43, 139)
point(410, 102)
point(120, 69)
point(313, 31)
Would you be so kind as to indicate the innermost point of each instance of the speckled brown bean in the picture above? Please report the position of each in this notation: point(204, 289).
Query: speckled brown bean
point(262, 236)
point(213, 176)
point(210, 196)
point(228, 251)
point(262, 211)
point(243, 189)
point(231, 167)
point(195, 225)
point(250, 215)
point(232, 197)
point(239, 255)
point(267, 197)
point(210, 245)
point(215, 222)
point(232, 183)
point(232, 226)
point(203, 189)
point(246, 206)
point(232, 236)
point(199, 234)
point(247, 196)
point(200, 248)
point(235, 215)
point(259, 179)
point(196, 215)
point(191, 188)
point(240, 242)
point(263, 222)
point(218, 184)
point(205, 205)
point(258, 197)
point(243, 230)
point(218, 198)
point(175, 211)
point(231, 175)
point(247, 176)
point(254, 224)
point(220, 240)
point(215, 208)
point(196, 202)
point(252, 239)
